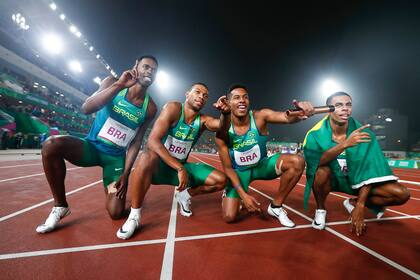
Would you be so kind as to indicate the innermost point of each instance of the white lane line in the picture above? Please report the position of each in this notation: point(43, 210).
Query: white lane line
point(375, 254)
point(168, 256)
point(409, 182)
point(45, 202)
point(21, 165)
point(33, 175)
point(358, 245)
point(414, 198)
point(79, 249)
point(416, 190)
point(177, 239)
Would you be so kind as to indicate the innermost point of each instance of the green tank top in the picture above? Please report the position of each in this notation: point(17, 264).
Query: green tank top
point(116, 124)
point(247, 150)
point(180, 139)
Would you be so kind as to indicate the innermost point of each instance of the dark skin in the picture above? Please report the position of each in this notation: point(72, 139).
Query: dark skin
point(196, 98)
point(291, 166)
point(379, 194)
point(57, 149)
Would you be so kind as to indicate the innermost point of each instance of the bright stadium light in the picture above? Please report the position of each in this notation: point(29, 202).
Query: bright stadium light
point(329, 87)
point(91, 48)
point(97, 80)
point(162, 80)
point(73, 29)
point(388, 120)
point(98, 56)
point(75, 66)
point(53, 6)
point(78, 34)
point(62, 16)
point(52, 43)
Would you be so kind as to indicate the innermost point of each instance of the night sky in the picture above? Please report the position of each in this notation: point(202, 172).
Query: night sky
point(280, 53)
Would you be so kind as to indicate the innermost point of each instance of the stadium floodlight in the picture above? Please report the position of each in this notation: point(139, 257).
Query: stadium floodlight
point(107, 67)
point(329, 87)
point(97, 80)
point(52, 43)
point(44, 87)
point(388, 120)
point(91, 48)
point(36, 83)
point(53, 6)
point(57, 93)
point(98, 56)
point(20, 21)
point(73, 29)
point(78, 34)
point(62, 16)
point(162, 80)
point(75, 66)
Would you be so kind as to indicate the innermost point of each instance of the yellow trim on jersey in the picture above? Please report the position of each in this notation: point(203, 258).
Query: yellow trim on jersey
point(316, 127)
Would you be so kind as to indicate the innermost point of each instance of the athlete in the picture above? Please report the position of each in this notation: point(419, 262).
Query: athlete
point(242, 150)
point(123, 112)
point(344, 156)
point(174, 133)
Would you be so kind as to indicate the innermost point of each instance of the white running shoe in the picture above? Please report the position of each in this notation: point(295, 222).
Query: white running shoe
point(281, 214)
point(320, 218)
point(184, 201)
point(57, 213)
point(349, 207)
point(129, 227)
point(380, 214)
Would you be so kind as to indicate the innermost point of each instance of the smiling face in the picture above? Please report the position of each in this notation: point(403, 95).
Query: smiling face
point(239, 102)
point(197, 97)
point(343, 108)
point(146, 68)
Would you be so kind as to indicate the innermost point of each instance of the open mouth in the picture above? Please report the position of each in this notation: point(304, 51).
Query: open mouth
point(242, 108)
point(147, 79)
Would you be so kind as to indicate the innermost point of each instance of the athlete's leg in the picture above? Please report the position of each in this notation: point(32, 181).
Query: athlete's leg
point(141, 177)
point(291, 167)
point(322, 186)
point(386, 194)
point(54, 151)
point(230, 208)
point(214, 182)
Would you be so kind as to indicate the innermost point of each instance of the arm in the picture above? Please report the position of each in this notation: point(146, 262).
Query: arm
point(271, 116)
point(354, 138)
point(132, 153)
point(108, 90)
point(167, 117)
point(223, 122)
point(250, 202)
point(358, 224)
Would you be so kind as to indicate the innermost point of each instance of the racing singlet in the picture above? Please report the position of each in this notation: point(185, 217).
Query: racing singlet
point(247, 150)
point(343, 162)
point(180, 139)
point(116, 124)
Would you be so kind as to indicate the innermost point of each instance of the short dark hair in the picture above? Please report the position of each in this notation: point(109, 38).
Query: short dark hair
point(148, 56)
point(339, 93)
point(233, 87)
point(199, 84)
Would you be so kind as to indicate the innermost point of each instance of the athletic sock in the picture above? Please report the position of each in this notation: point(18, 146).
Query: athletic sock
point(135, 212)
point(275, 206)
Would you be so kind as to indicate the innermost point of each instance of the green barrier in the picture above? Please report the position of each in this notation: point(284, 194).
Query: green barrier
point(403, 163)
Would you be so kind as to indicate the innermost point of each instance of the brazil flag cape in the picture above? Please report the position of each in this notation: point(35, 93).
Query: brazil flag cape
point(366, 163)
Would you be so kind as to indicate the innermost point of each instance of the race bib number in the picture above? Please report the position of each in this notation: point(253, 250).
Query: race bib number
point(177, 148)
point(343, 165)
point(249, 157)
point(116, 133)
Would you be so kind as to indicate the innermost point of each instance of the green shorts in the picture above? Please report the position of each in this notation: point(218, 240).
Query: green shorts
point(342, 184)
point(197, 174)
point(112, 166)
point(265, 170)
